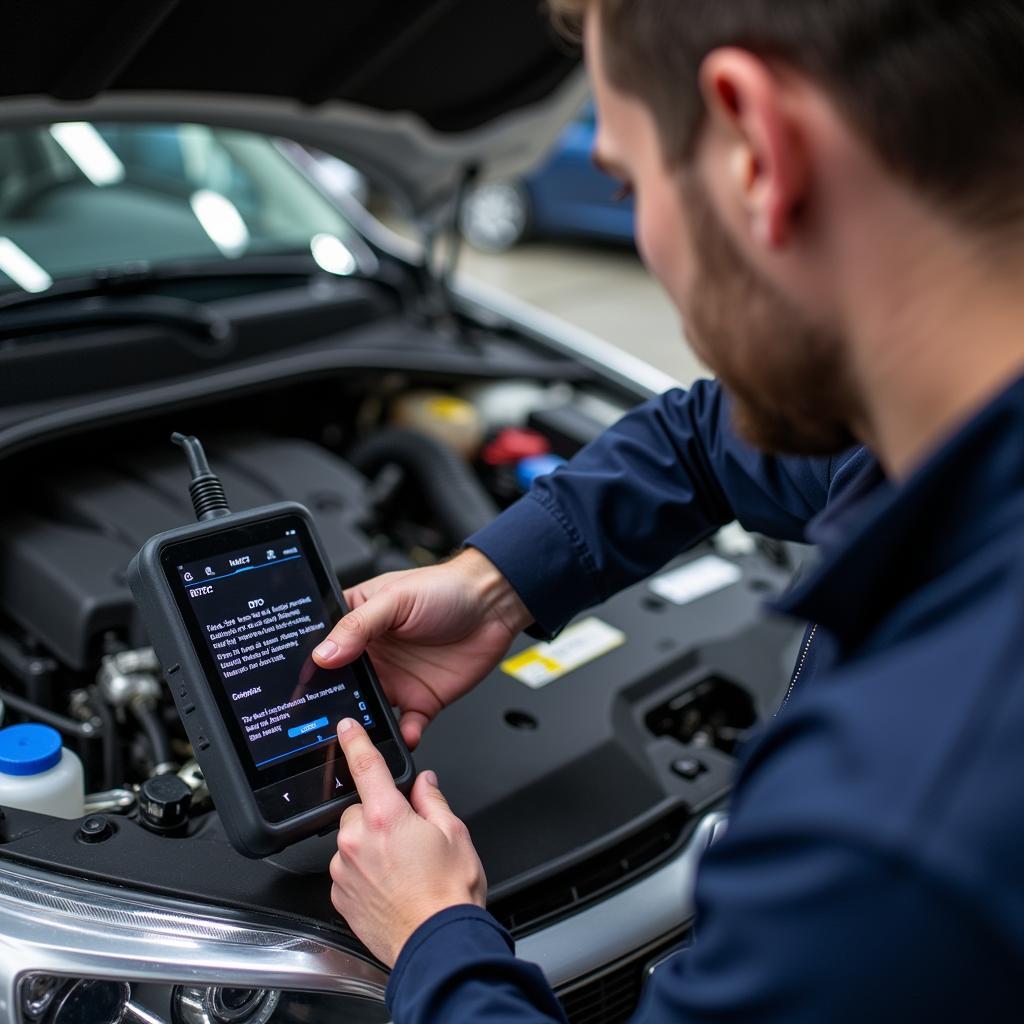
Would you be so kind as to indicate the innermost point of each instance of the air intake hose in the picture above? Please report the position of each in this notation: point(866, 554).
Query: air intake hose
point(455, 496)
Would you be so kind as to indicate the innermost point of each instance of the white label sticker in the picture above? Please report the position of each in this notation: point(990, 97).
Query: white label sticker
point(696, 580)
point(581, 643)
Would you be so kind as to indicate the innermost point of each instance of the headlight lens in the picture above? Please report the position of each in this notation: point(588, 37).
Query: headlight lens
point(78, 953)
point(49, 1000)
point(215, 1005)
point(45, 999)
point(38, 992)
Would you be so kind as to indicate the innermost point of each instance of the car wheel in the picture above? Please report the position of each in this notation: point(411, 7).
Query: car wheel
point(496, 217)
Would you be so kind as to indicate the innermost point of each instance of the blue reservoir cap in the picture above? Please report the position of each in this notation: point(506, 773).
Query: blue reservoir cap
point(527, 470)
point(29, 749)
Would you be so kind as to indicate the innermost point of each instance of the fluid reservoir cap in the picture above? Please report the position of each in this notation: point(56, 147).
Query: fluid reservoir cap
point(513, 444)
point(29, 749)
point(164, 802)
point(540, 465)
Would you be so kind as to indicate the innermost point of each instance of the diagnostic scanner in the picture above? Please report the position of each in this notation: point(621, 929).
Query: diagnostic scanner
point(234, 605)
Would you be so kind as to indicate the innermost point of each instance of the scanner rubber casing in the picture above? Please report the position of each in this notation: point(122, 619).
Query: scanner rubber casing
point(249, 832)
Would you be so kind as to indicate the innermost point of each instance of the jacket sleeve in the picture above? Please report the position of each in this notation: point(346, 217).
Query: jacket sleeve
point(460, 966)
point(667, 476)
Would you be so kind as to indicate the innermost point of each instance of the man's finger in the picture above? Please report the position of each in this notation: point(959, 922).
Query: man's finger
point(429, 802)
point(350, 816)
point(377, 790)
point(352, 634)
point(337, 869)
point(412, 725)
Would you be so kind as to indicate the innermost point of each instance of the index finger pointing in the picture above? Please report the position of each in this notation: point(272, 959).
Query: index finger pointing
point(370, 773)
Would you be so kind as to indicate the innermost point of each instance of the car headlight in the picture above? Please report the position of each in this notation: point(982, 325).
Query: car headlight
point(215, 1005)
point(46, 999)
point(74, 953)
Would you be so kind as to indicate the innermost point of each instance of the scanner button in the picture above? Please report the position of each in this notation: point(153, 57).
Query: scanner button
point(301, 730)
point(173, 669)
point(189, 708)
point(202, 743)
point(302, 792)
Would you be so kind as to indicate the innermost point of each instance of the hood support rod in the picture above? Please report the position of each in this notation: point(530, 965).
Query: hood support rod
point(442, 246)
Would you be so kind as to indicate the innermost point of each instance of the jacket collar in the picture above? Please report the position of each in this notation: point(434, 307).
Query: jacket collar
point(881, 541)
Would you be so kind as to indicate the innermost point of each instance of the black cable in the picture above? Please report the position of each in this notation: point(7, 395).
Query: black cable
point(111, 750)
point(159, 742)
point(206, 490)
point(83, 730)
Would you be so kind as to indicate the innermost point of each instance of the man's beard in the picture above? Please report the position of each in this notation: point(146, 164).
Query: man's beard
point(785, 376)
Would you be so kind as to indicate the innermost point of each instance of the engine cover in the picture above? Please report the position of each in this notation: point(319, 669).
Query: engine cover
point(62, 565)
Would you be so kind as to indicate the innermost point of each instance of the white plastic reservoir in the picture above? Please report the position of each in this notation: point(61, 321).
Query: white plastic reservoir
point(38, 774)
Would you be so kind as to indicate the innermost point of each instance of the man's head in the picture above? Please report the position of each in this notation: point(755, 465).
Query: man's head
point(772, 143)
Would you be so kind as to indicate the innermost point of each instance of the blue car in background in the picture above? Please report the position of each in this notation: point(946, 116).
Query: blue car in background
point(566, 196)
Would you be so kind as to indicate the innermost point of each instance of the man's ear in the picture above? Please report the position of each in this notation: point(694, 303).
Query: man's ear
point(757, 142)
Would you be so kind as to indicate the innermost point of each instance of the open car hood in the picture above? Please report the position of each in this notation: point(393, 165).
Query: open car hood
point(413, 92)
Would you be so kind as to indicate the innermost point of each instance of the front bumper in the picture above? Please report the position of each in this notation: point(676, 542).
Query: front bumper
point(64, 927)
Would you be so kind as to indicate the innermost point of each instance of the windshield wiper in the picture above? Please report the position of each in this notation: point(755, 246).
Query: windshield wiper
point(124, 294)
point(214, 330)
point(141, 276)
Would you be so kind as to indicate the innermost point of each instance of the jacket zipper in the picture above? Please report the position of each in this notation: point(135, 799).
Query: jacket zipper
point(799, 668)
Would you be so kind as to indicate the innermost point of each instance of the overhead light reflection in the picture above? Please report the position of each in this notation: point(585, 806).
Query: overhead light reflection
point(332, 255)
point(89, 151)
point(221, 220)
point(21, 268)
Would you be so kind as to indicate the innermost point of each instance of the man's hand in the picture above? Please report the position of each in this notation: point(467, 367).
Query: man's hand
point(432, 633)
point(398, 863)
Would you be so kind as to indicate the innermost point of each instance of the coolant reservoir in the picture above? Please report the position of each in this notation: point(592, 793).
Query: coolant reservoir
point(38, 774)
point(442, 416)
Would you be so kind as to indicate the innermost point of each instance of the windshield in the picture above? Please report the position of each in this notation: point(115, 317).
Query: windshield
point(75, 197)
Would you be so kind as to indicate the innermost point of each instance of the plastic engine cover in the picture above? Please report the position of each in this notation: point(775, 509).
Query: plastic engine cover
point(62, 564)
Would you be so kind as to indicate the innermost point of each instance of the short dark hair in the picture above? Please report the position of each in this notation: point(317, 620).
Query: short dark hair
point(936, 86)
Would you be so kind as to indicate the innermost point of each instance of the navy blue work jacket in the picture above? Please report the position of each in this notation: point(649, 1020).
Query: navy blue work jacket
point(873, 869)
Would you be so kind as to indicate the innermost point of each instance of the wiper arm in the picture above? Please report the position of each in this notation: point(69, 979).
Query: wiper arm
point(139, 277)
point(124, 294)
point(215, 331)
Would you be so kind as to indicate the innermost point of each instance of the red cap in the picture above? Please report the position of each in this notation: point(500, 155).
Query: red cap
point(513, 444)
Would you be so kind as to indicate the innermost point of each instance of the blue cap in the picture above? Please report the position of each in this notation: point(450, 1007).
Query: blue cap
point(527, 470)
point(29, 749)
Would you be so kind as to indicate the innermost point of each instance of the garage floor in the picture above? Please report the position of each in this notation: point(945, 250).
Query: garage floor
point(604, 290)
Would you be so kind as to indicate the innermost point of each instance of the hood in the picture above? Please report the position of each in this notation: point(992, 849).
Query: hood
point(413, 92)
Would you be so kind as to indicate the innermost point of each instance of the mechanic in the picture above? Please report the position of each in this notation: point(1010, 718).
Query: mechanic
point(831, 194)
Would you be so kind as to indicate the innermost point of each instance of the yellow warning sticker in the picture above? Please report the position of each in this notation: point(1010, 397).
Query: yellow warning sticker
point(579, 644)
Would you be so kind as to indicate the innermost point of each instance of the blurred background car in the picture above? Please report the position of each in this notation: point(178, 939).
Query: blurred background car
point(567, 196)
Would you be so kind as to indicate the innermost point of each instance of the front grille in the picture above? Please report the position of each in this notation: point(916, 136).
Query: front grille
point(592, 878)
point(611, 995)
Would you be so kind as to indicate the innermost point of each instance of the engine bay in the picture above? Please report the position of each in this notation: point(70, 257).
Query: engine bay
point(397, 469)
